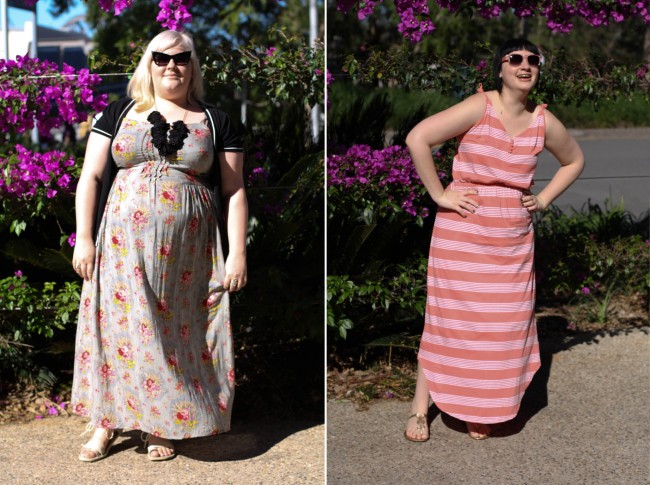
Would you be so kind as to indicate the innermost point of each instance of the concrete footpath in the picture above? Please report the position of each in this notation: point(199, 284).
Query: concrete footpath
point(254, 452)
point(584, 420)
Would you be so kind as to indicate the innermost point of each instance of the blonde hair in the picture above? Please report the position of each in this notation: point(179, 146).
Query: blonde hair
point(140, 87)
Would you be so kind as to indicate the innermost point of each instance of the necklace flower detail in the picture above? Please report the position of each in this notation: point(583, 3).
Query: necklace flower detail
point(167, 144)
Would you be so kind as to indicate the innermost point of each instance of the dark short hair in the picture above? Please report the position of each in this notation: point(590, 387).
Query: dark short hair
point(505, 49)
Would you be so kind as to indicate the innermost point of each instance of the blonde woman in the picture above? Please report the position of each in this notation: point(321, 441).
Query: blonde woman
point(160, 187)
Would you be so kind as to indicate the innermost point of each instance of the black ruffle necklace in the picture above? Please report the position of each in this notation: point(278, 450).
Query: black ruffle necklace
point(167, 144)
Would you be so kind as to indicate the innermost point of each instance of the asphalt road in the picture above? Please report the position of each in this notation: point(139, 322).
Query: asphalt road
point(584, 421)
point(617, 167)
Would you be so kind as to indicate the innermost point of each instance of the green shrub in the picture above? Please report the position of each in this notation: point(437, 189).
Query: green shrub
point(30, 316)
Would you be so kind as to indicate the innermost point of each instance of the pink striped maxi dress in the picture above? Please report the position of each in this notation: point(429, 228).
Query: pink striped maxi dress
point(479, 349)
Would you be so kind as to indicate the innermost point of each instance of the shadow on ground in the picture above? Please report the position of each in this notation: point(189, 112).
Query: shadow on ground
point(553, 338)
point(244, 441)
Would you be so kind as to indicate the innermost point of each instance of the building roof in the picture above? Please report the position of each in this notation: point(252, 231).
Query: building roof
point(45, 34)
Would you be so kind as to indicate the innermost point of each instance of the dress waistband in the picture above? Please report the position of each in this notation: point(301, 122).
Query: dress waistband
point(489, 190)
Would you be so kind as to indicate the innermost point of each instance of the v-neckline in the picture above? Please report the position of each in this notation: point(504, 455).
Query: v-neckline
point(505, 130)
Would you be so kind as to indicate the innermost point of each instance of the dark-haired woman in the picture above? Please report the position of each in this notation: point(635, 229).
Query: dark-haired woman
point(479, 349)
point(154, 345)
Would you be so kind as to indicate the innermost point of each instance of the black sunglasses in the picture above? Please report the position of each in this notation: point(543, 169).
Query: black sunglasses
point(180, 59)
point(516, 60)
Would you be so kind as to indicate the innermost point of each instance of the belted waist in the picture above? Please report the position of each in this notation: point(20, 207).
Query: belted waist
point(489, 190)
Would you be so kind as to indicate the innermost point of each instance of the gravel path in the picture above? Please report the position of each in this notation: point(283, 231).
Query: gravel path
point(45, 452)
point(585, 420)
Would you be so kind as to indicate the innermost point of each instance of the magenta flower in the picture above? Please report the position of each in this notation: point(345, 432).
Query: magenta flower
point(18, 274)
point(271, 51)
point(72, 240)
point(585, 290)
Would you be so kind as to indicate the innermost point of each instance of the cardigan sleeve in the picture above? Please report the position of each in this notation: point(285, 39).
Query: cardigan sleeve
point(228, 134)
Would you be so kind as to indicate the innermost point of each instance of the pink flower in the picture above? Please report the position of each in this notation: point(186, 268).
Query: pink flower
point(72, 240)
point(585, 290)
point(18, 274)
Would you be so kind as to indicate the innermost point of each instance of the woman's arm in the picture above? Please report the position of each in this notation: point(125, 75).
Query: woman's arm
point(236, 208)
point(83, 259)
point(435, 130)
point(562, 146)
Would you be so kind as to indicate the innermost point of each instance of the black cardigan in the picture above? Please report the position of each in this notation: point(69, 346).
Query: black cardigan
point(226, 137)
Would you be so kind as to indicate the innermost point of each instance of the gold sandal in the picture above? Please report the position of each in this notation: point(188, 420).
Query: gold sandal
point(421, 426)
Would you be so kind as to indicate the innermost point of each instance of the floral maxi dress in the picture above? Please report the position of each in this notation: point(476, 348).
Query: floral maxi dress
point(154, 344)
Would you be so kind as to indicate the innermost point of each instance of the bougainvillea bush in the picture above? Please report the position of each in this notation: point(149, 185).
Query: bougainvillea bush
point(375, 184)
point(415, 22)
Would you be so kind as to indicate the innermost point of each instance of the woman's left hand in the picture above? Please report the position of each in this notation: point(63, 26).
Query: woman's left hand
point(533, 203)
point(236, 275)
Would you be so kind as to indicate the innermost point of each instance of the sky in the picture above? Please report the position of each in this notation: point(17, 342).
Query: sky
point(18, 17)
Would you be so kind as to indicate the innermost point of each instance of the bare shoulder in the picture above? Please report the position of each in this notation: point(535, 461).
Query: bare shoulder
point(554, 127)
point(471, 109)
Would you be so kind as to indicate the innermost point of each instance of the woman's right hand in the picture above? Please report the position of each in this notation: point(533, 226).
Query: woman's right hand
point(83, 258)
point(458, 200)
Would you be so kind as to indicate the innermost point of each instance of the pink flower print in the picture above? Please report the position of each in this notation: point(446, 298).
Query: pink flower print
point(164, 253)
point(118, 241)
point(125, 352)
point(223, 403)
point(146, 331)
point(210, 300)
point(140, 218)
point(107, 373)
point(206, 356)
point(169, 220)
point(138, 273)
point(121, 296)
point(108, 396)
point(167, 331)
point(101, 317)
point(197, 385)
point(107, 422)
point(193, 224)
point(133, 406)
point(152, 386)
point(86, 303)
point(183, 414)
point(231, 376)
point(123, 321)
point(80, 409)
point(131, 403)
point(172, 361)
point(148, 357)
point(186, 278)
point(139, 243)
point(156, 412)
point(185, 332)
point(162, 306)
point(168, 195)
point(85, 383)
point(84, 358)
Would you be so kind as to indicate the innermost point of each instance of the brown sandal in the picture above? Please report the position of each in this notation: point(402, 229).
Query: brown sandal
point(421, 426)
point(477, 434)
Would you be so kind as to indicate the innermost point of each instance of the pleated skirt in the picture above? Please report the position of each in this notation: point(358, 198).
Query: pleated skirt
point(479, 349)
